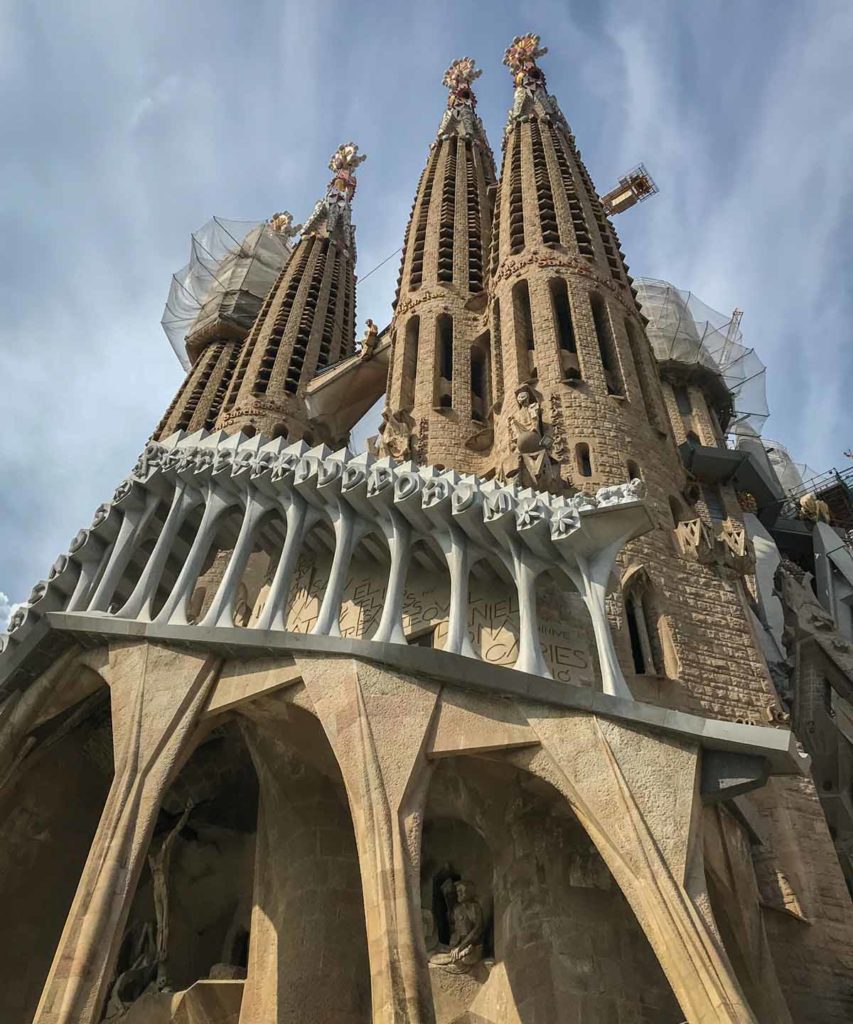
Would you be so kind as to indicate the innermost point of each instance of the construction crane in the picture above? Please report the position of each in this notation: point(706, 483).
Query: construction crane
point(635, 187)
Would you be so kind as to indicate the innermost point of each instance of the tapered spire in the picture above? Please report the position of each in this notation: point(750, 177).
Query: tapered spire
point(308, 319)
point(440, 378)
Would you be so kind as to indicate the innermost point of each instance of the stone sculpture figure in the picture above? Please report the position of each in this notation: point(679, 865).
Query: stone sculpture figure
point(395, 436)
point(132, 982)
point(531, 461)
point(158, 863)
point(282, 224)
point(468, 926)
point(369, 341)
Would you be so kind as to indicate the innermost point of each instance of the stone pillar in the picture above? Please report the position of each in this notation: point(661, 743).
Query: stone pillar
point(644, 835)
point(377, 723)
point(156, 695)
point(308, 950)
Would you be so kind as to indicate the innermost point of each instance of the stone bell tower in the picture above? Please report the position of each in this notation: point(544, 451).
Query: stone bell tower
point(308, 319)
point(571, 336)
point(229, 298)
point(440, 382)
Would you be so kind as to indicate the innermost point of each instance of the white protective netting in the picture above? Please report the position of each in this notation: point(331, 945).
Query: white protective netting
point(683, 329)
point(233, 264)
point(793, 476)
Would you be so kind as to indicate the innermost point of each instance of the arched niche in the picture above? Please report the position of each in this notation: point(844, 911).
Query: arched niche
point(566, 944)
point(50, 805)
point(191, 913)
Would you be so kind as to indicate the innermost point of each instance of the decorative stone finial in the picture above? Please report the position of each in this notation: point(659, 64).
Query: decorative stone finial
point(520, 58)
point(531, 96)
point(458, 79)
point(460, 118)
point(333, 210)
point(343, 162)
point(282, 224)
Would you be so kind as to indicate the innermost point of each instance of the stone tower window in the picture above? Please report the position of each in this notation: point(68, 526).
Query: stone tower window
point(676, 510)
point(582, 459)
point(448, 216)
point(444, 361)
point(682, 400)
point(475, 235)
point(523, 323)
point(410, 362)
point(714, 502)
point(633, 470)
point(652, 648)
point(641, 366)
point(544, 196)
point(606, 345)
point(496, 363)
point(416, 274)
point(564, 329)
point(480, 358)
point(516, 201)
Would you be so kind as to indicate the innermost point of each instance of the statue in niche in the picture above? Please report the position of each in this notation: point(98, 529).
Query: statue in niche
point(530, 461)
point(395, 436)
point(467, 928)
point(132, 982)
point(158, 863)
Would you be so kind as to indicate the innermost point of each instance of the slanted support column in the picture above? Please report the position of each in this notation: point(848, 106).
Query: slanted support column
point(175, 609)
point(156, 695)
point(645, 836)
point(298, 519)
point(348, 531)
point(136, 518)
point(590, 576)
point(398, 533)
point(525, 571)
point(221, 611)
point(378, 724)
point(93, 557)
point(457, 553)
point(141, 600)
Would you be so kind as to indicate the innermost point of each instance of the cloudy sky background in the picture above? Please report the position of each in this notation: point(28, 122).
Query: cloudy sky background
point(126, 125)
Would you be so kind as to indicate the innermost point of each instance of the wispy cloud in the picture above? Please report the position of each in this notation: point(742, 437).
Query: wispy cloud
point(7, 609)
point(121, 137)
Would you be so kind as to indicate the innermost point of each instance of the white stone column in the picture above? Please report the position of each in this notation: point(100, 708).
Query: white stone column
point(93, 558)
point(398, 533)
point(139, 604)
point(457, 553)
point(136, 518)
point(175, 609)
point(298, 518)
point(348, 531)
point(525, 573)
point(590, 575)
point(221, 611)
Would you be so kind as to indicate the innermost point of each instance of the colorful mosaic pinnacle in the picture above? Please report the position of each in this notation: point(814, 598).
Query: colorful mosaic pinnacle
point(458, 79)
point(343, 162)
point(521, 56)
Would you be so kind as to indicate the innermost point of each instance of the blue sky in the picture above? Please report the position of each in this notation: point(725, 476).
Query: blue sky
point(124, 126)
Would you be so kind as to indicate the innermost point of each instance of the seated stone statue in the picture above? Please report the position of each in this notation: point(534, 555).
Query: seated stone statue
point(466, 938)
